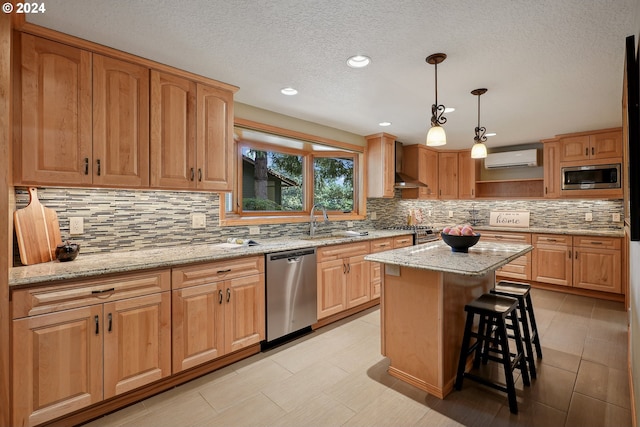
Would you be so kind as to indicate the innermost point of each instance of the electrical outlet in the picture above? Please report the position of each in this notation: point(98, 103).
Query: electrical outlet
point(76, 225)
point(349, 224)
point(198, 221)
point(429, 213)
point(254, 230)
point(588, 216)
point(374, 216)
point(450, 214)
point(615, 217)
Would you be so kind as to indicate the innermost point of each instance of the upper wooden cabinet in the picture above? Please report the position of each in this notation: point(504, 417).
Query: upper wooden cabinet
point(605, 144)
point(448, 175)
point(85, 118)
point(53, 136)
point(120, 123)
point(551, 160)
point(467, 170)
point(381, 165)
point(421, 163)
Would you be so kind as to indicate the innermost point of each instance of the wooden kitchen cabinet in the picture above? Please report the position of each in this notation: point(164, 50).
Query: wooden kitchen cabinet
point(343, 277)
point(84, 118)
point(596, 145)
point(520, 268)
point(447, 175)
point(420, 162)
point(552, 172)
point(53, 136)
point(120, 123)
point(218, 308)
point(597, 263)
point(381, 165)
point(380, 245)
point(552, 259)
point(75, 345)
point(467, 175)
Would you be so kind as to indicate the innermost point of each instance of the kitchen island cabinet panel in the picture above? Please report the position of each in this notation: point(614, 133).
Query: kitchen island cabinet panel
point(57, 364)
point(519, 269)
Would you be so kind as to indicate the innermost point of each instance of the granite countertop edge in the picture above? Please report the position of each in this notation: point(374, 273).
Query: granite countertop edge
point(92, 265)
point(543, 230)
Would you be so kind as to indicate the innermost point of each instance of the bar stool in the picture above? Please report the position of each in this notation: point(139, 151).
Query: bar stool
point(530, 336)
point(492, 338)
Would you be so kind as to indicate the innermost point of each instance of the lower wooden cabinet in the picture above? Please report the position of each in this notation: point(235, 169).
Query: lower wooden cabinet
point(380, 245)
point(518, 269)
point(68, 358)
point(218, 308)
point(343, 277)
point(585, 262)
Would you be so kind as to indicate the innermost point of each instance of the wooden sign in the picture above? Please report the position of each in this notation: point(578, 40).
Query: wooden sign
point(518, 219)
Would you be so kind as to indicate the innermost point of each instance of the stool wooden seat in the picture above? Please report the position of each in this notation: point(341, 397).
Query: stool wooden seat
point(530, 335)
point(492, 343)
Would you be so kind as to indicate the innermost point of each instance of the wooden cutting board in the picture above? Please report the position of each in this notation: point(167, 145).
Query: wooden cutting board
point(37, 231)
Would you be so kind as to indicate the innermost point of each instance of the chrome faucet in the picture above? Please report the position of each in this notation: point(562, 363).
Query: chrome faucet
point(313, 224)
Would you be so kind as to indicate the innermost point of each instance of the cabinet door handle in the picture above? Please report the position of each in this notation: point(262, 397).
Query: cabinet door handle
point(473, 191)
point(220, 296)
point(348, 268)
point(546, 191)
point(586, 151)
point(103, 291)
point(596, 243)
point(86, 166)
point(344, 268)
point(228, 294)
point(199, 174)
point(576, 254)
point(569, 254)
point(96, 319)
point(551, 240)
point(193, 174)
point(224, 271)
point(98, 163)
point(109, 317)
point(593, 151)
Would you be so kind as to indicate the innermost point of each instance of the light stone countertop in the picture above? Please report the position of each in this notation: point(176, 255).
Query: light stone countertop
point(481, 258)
point(566, 231)
point(92, 265)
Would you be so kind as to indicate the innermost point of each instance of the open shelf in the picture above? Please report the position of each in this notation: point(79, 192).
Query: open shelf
point(520, 188)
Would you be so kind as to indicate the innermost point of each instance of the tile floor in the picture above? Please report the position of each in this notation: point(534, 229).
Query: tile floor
point(336, 376)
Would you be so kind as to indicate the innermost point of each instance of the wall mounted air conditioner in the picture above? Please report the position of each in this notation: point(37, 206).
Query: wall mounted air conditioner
point(512, 159)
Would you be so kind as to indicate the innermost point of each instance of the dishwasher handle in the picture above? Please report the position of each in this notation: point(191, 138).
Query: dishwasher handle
point(291, 256)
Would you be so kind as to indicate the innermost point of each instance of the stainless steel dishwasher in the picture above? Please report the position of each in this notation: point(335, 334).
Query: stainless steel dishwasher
point(291, 292)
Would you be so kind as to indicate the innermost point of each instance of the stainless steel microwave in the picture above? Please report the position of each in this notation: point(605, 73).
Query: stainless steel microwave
point(591, 177)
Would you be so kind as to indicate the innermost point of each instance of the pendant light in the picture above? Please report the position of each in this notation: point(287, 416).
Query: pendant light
point(479, 150)
point(436, 135)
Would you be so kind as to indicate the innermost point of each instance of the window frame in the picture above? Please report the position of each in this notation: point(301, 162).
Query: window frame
point(339, 149)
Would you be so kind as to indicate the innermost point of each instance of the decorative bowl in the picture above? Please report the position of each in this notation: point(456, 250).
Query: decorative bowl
point(460, 243)
point(67, 251)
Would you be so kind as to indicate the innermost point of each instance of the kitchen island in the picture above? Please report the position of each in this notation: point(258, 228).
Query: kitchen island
point(424, 291)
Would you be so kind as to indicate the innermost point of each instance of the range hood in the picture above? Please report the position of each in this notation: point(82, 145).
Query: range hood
point(402, 180)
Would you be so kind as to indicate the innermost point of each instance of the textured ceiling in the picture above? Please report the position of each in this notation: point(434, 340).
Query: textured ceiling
point(550, 66)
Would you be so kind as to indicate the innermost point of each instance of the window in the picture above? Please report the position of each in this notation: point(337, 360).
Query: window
point(279, 177)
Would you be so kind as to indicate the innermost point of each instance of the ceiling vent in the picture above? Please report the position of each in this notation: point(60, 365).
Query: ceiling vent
point(512, 159)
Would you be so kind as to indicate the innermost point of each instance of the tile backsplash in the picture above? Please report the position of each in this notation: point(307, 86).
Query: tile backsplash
point(120, 220)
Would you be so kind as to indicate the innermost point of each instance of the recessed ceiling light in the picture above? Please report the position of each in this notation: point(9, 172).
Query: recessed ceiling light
point(358, 61)
point(384, 124)
point(449, 110)
point(490, 134)
point(288, 91)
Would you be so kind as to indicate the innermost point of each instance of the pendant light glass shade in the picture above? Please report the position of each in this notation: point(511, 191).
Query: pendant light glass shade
point(479, 150)
point(436, 136)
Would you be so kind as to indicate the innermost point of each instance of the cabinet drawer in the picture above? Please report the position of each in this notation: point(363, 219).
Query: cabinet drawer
point(552, 239)
point(215, 271)
point(524, 238)
point(596, 242)
point(328, 253)
point(402, 241)
point(380, 245)
point(63, 295)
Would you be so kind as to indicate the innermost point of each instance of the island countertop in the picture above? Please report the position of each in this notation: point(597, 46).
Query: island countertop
point(437, 256)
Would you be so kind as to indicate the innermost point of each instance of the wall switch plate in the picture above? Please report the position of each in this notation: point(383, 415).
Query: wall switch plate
point(349, 223)
point(374, 216)
point(254, 230)
point(450, 214)
point(429, 213)
point(76, 225)
point(198, 221)
point(588, 216)
point(615, 217)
